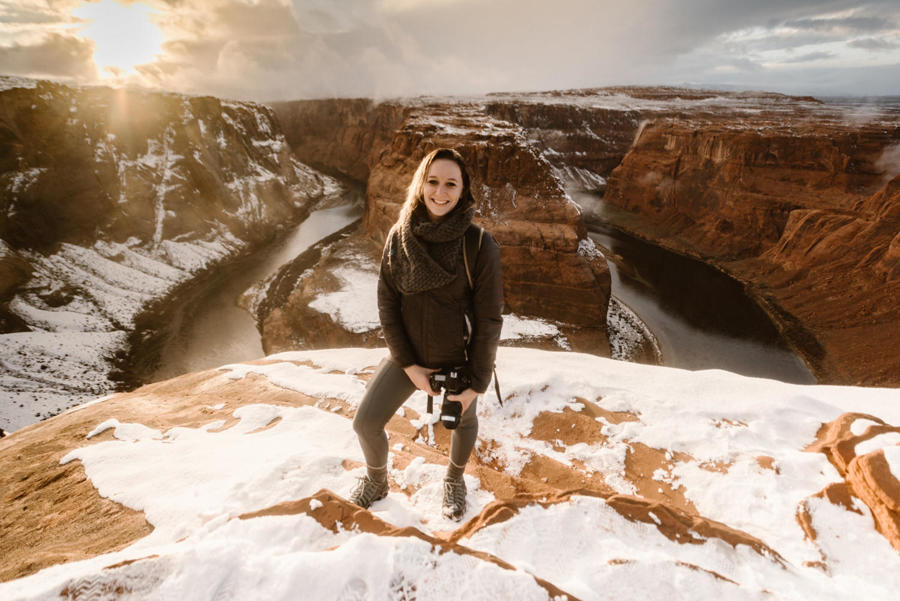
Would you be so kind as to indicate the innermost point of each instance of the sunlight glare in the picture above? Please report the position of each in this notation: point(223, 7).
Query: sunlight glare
point(124, 35)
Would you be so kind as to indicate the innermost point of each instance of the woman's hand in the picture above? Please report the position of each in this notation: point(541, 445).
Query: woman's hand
point(418, 375)
point(465, 397)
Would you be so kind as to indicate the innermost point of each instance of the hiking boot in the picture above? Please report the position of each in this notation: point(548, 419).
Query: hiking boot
point(368, 491)
point(454, 505)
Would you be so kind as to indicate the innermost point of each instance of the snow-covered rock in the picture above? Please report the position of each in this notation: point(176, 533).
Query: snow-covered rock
point(110, 200)
point(595, 479)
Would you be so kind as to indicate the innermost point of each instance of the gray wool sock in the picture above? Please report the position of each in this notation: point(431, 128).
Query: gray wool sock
point(455, 472)
point(378, 474)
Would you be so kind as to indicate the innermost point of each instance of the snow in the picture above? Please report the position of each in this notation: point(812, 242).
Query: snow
point(515, 328)
point(628, 333)
point(302, 378)
point(354, 304)
point(580, 177)
point(9, 82)
point(42, 373)
point(109, 285)
point(274, 454)
point(101, 289)
point(877, 442)
point(892, 455)
point(21, 181)
point(859, 426)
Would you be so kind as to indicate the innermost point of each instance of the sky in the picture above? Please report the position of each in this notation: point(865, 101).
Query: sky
point(286, 49)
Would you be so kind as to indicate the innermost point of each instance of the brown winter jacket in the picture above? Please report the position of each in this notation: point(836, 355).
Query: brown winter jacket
point(429, 328)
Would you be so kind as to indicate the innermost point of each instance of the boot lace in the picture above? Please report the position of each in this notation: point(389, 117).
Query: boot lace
point(454, 498)
point(368, 491)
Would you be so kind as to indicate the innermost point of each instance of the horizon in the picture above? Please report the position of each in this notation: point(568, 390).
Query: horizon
point(6, 77)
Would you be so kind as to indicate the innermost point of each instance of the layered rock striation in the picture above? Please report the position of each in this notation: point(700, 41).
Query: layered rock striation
point(803, 207)
point(551, 268)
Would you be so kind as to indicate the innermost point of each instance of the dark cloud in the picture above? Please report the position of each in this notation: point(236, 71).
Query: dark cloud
point(56, 55)
point(846, 24)
point(873, 44)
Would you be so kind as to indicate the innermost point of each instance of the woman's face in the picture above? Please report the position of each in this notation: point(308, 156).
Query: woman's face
point(442, 188)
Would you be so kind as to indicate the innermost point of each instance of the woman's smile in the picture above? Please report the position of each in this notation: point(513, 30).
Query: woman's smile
point(442, 189)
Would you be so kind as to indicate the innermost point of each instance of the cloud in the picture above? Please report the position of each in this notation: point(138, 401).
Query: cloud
point(56, 55)
point(873, 44)
point(843, 25)
point(809, 57)
point(36, 11)
point(282, 49)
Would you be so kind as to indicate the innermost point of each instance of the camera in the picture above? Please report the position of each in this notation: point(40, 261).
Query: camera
point(453, 381)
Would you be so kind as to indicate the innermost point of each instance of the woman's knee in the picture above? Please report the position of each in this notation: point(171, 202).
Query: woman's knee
point(365, 426)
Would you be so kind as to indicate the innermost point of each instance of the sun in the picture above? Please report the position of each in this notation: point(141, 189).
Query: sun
point(124, 34)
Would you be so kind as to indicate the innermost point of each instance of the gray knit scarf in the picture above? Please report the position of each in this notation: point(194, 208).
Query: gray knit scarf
point(423, 255)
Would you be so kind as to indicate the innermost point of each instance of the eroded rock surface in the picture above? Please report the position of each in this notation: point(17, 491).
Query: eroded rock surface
point(801, 204)
point(794, 198)
point(566, 489)
point(867, 476)
point(551, 269)
point(111, 200)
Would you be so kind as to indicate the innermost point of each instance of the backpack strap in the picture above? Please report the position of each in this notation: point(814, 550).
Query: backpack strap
point(468, 240)
point(466, 243)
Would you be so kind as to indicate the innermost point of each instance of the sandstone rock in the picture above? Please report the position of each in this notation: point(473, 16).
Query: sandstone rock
point(550, 270)
point(78, 165)
point(340, 135)
point(112, 200)
point(289, 322)
point(867, 477)
point(77, 523)
point(796, 207)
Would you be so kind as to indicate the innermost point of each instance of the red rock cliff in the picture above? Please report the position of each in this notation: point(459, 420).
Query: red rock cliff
point(801, 207)
point(550, 267)
point(110, 200)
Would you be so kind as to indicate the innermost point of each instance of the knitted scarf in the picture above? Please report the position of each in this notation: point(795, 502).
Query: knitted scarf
point(423, 255)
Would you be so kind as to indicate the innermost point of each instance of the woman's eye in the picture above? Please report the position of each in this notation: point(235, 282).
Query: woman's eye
point(451, 185)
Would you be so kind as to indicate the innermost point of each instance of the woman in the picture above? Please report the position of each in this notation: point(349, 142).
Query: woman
point(432, 318)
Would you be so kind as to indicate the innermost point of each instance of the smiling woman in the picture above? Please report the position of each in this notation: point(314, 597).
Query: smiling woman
point(124, 35)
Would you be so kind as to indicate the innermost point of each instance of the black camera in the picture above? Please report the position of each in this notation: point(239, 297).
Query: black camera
point(453, 381)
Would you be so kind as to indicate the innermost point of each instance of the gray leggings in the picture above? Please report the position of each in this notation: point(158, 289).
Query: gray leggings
point(386, 392)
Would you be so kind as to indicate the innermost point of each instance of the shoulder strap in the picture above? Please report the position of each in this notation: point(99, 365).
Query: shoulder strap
point(468, 240)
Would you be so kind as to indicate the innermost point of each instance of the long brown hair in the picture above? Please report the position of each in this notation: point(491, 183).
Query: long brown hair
point(414, 194)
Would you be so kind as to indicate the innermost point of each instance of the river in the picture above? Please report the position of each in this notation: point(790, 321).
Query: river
point(701, 318)
point(213, 330)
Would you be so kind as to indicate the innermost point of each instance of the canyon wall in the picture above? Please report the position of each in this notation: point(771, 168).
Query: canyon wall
point(344, 136)
point(551, 269)
point(109, 200)
point(802, 207)
point(583, 143)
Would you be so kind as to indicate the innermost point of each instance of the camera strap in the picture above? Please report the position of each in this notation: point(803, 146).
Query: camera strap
point(466, 238)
